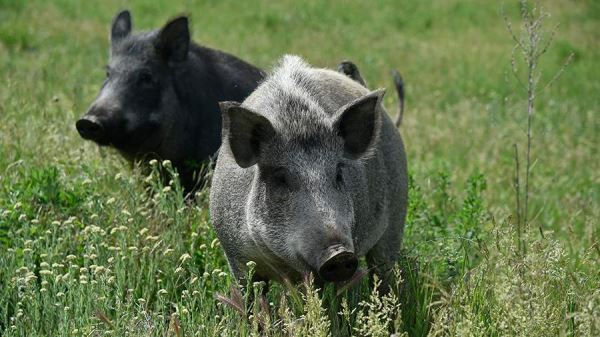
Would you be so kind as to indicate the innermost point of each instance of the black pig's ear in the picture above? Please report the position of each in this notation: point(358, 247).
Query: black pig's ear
point(359, 124)
point(173, 40)
point(121, 26)
point(245, 131)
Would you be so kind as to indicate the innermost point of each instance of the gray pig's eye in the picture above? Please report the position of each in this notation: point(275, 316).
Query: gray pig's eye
point(280, 177)
point(339, 176)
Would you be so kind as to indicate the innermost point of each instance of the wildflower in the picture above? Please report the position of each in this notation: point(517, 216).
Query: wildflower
point(30, 277)
point(99, 270)
point(125, 212)
point(44, 283)
point(45, 272)
point(167, 189)
point(153, 162)
point(216, 271)
point(55, 223)
point(71, 257)
point(214, 243)
point(194, 279)
point(251, 264)
point(110, 201)
point(166, 163)
point(168, 251)
point(27, 250)
point(17, 205)
point(178, 270)
point(185, 257)
point(94, 216)
point(133, 249)
point(57, 265)
point(162, 292)
point(43, 290)
point(202, 246)
point(141, 301)
point(22, 217)
point(222, 274)
point(60, 294)
point(83, 270)
point(111, 259)
point(143, 231)
point(35, 221)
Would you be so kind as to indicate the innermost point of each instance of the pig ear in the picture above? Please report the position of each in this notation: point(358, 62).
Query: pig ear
point(359, 122)
point(121, 26)
point(245, 131)
point(173, 40)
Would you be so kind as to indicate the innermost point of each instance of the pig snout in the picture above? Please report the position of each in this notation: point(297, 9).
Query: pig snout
point(337, 264)
point(90, 127)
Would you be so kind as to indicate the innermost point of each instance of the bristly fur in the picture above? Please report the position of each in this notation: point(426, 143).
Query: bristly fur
point(331, 174)
point(298, 107)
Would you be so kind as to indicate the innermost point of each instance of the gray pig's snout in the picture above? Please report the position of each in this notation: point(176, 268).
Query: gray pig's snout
point(337, 264)
point(89, 127)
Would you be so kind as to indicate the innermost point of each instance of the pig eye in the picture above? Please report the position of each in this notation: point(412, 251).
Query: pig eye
point(280, 177)
point(145, 77)
point(339, 176)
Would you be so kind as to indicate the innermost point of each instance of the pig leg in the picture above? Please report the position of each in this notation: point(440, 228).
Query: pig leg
point(350, 69)
point(382, 258)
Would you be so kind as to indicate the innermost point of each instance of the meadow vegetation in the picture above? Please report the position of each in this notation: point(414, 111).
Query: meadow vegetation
point(89, 247)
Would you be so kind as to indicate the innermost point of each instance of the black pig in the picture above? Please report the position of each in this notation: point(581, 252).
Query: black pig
point(160, 97)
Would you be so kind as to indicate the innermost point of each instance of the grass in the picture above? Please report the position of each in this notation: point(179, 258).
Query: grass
point(85, 250)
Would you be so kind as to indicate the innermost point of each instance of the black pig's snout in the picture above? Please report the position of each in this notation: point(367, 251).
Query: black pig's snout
point(89, 127)
point(337, 264)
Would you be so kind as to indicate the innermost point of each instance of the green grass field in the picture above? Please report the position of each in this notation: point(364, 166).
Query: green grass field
point(86, 251)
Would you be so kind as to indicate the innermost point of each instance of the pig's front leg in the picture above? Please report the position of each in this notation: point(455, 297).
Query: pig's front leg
point(382, 258)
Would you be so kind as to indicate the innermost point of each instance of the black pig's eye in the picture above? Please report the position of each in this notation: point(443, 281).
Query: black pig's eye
point(145, 77)
point(339, 176)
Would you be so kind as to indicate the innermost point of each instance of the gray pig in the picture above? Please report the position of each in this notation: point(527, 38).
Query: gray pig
point(160, 97)
point(311, 175)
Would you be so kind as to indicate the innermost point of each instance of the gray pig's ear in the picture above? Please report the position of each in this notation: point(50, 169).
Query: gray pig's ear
point(359, 122)
point(121, 26)
point(245, 131)
point(173, 41)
